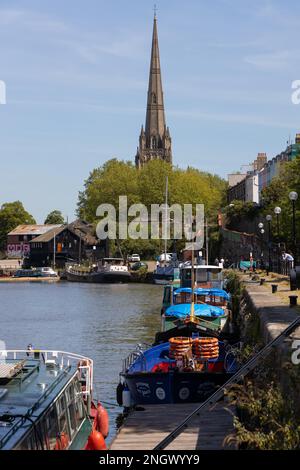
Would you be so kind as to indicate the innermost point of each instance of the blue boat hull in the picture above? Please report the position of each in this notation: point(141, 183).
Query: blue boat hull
point(173, 387)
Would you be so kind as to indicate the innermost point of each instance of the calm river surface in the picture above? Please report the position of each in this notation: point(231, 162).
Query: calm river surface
point(103, 322)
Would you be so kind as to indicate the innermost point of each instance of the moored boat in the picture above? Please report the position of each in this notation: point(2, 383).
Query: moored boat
point(210, 306)
point(108, 270)
point(46, 402)
point(184, 369)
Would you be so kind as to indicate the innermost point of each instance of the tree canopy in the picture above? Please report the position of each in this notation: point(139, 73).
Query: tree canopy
point(12, 214)
point(147, 186)
point(54, 217)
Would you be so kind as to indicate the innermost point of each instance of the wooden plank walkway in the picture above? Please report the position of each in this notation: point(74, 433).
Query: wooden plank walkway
point(143, 430)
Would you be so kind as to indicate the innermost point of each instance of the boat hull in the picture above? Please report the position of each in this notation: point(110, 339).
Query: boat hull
point(109, 277)
point(216, 323)
point(162, 279)
point(173, 387)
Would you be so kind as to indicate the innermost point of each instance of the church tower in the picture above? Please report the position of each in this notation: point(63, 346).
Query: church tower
point(155, 141)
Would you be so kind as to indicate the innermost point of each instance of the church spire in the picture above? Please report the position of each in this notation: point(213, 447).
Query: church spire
point(157, 142)
point(155, 117)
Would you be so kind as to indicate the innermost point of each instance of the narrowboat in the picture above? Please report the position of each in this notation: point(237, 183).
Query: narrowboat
point(46, 402)
point(184, 369)
point(210, 306)
point(107, 270)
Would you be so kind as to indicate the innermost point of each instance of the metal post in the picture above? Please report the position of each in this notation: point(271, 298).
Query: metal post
point(54, 250)
point(269, 242)
point(278, 241)
point(79, 248)
point(206, 240)
point(166, 220)
point(294, 233)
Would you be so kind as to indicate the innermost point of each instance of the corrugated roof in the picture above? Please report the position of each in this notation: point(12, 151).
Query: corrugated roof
point(33, 229)
point(49, 235)
point(81, 229)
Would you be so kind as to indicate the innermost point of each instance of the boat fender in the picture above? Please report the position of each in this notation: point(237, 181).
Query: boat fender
point(95, 441)
point(102, 420)
point(126, 397)
point(120, 389)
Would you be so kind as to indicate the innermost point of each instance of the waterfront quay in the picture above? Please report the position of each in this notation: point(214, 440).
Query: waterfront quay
point(148, 425)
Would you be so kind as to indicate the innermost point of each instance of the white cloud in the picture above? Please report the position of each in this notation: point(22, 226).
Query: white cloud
point(257, 120)
point(30, 20)
point(272, 60)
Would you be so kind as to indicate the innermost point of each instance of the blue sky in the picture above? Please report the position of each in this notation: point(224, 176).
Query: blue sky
point(76, 75)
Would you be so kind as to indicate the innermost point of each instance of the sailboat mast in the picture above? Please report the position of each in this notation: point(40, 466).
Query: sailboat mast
point(166, 219)
point(192, 312)
point(206, 240)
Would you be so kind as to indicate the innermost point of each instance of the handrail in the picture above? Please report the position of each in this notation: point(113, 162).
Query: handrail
point(241, 373)
point(55, 353)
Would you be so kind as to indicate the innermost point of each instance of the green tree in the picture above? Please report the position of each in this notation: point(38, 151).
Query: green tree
point(104, 185)
point(147, 186)
point(12, 214)
point(54, 217)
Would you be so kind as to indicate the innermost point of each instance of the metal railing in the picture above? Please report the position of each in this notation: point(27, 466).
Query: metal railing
point(134, 355)
point(62, 359)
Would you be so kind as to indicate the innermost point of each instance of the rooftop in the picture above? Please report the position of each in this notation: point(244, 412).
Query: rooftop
point(32, 229)
point(80, 228)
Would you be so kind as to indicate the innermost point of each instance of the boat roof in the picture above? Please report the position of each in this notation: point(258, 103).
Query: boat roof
point(201, 266)
point(204, 291)
point(203, 310)
point(112, 259)
point(29, 384)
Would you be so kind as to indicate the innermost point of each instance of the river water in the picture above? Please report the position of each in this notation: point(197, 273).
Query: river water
point(103, 322)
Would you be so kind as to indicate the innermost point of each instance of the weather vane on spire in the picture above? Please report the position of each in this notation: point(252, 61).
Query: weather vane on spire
point(155, 10)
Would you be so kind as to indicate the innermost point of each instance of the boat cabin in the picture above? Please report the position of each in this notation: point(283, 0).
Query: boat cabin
point(112, 264)
point(45, 398)
point(205, 276)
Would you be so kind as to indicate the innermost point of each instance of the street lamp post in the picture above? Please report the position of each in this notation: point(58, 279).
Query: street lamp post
point(262, 231)
point(269, 219)
point(277, 212)
point(293, 197)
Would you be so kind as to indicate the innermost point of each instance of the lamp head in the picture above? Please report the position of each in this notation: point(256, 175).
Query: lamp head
point(277, 210)
point(293, 196)
point(269, 217)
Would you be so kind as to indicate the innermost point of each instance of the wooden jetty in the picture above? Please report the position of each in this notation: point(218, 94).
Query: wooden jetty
point(144, 429)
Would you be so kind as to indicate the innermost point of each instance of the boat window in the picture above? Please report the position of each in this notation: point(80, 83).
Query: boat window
point(51, 428)
point(62, 415)
point(167, 295)
point(63, 425)
point(183, 298)
point(72, 418)
point(25, 444)
point(61, 404)
point(70, 393)
point(202, 275)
